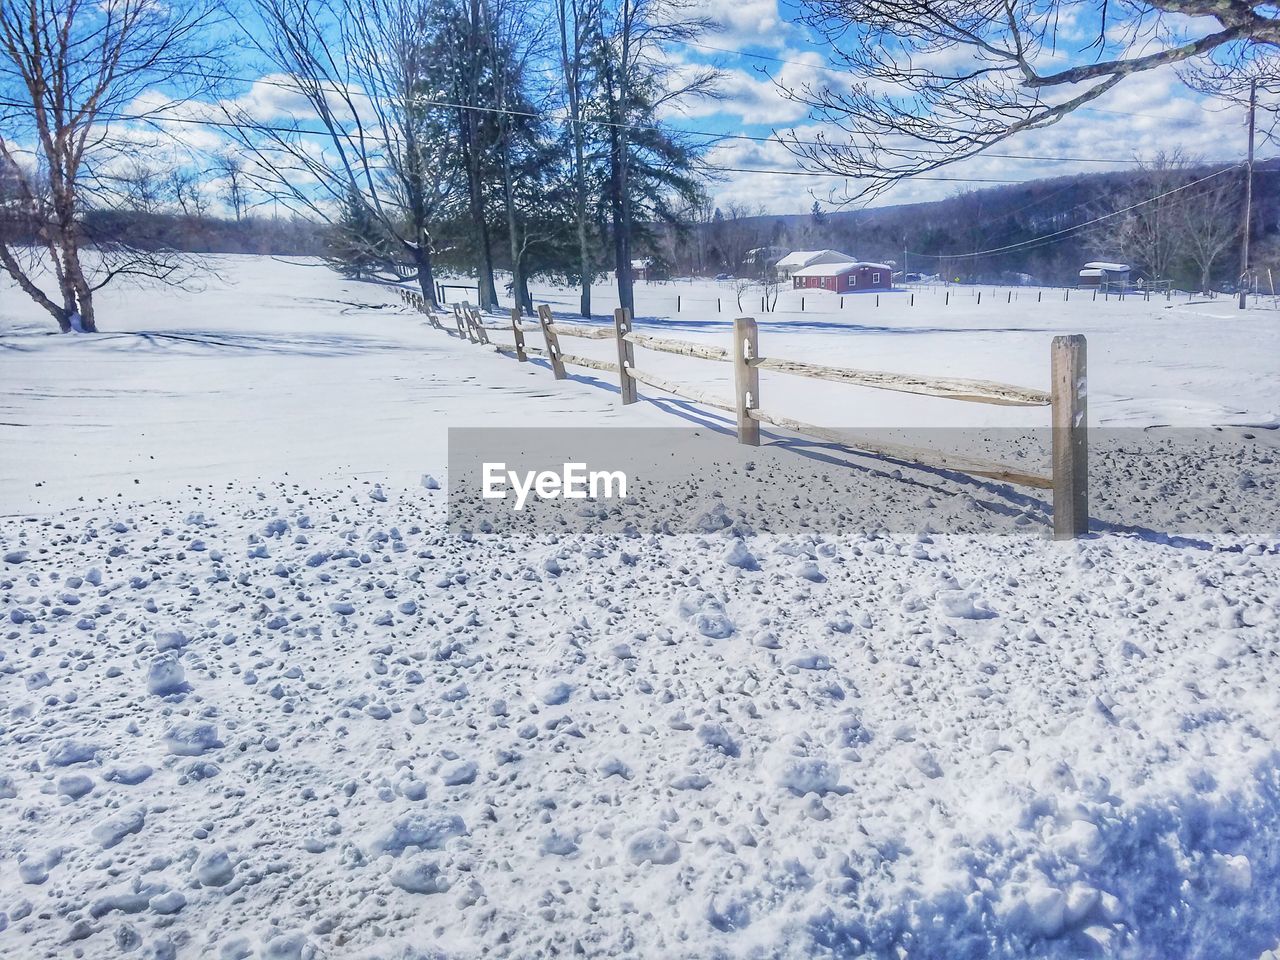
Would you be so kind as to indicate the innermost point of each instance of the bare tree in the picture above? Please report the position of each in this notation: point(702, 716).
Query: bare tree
point(579, 24)
point(465, 53)
point(1151, 233)
point(142, 184)
point(68, 68)
point(735, 233)
point(937, 81)
point(365, 69)
point(182, 189)
point(513, 41)
point(637, 81)
point(230, 168)
point(1207, 218)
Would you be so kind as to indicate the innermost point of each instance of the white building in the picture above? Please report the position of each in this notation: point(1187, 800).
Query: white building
point(799, 259)
point(1103, 274)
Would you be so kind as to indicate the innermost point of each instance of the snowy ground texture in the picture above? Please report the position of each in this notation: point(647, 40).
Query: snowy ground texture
point(255, 701)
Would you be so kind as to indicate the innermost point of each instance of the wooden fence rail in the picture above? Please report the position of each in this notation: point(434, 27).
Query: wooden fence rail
point(949, 388)
point(1069, 474)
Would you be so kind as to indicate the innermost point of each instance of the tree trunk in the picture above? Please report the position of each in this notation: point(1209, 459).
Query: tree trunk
point(426, 275)
point(14, 270)
point(525, 296)
point(519, 285)
point(585, 270)
point(619, 209)
point(486, 294)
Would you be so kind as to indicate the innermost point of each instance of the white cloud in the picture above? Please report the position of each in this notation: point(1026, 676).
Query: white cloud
point(744, 22)
point(757, 96)
point(1143, 116)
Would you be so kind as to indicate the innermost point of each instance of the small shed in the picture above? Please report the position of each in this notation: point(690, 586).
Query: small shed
point(1101, 273)
point(848, 277)
point(641, 271)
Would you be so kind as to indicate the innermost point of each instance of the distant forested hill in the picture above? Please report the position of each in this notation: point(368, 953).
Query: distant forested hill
point(937, 236)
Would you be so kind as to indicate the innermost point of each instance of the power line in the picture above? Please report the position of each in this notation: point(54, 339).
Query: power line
point(506, 111)
point(295, 88)
point(1048, 237)
point(273, 128)
point(841, 176)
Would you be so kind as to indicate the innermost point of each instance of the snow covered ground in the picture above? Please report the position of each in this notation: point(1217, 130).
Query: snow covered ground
point(256, 700)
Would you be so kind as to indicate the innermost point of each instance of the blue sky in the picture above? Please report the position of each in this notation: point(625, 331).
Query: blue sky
point(759, 45)
point(1144, 115)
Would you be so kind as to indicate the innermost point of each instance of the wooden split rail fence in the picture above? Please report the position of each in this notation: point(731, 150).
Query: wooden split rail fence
point(1068, 477)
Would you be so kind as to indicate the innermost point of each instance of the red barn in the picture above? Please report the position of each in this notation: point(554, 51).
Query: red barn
point(850, 277)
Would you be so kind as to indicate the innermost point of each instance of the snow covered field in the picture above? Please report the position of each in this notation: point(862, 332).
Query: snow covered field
point(256, 700)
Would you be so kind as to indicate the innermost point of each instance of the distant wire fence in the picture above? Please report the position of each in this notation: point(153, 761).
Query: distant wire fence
point(1068, 476)
point(442, 287)
point(815, 300)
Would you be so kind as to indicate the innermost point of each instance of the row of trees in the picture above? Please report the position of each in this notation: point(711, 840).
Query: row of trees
point(523, 134)
point(1191, 226)
point(477, 135)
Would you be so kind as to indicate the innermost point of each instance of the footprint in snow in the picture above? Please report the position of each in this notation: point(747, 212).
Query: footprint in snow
point(652, 845)
point(191, 738)
point(739, 556)
point(555, 692)
point(419, 874)
point(458, 772)
point(707, 616)
point(165, 676)
point(558, 844)
point(962, 606)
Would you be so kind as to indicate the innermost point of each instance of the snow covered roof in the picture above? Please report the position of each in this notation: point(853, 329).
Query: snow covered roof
point(1106, 267)
point(641, 264)
point(804, 258)
point(1092, 272)
point(831, 269)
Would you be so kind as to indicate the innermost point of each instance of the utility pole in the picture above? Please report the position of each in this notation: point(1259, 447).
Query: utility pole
point(1248, 198)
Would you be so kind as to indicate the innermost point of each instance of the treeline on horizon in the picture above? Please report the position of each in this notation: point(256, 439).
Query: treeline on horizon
point(707, 240)
point(1189, 239)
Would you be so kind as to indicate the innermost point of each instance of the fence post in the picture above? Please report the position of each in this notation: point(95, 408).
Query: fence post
point(1070, 438)
point(457, 321)
point(746, 378)
point(477, 328)
point(626, 355)
point(518, 334)
point(553, 342)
